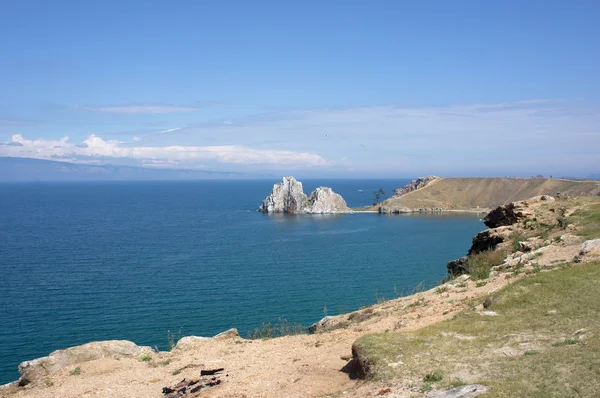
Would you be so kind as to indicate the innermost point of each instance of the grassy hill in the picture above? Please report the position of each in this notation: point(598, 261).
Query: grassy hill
point(486, 193)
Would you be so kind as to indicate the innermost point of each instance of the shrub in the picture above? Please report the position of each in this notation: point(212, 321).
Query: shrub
point(172, 339)
point(281, 328)
point(146, 358)
point(433, 377)
point(76, 371)
point(479, 265)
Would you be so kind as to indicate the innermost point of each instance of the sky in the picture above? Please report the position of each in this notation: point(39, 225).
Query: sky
point(338, 88)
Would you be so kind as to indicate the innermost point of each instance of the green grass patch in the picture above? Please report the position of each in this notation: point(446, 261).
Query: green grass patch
point(76, 371)
point(589, 219)
point(514, 353)
point(146, 358)
point(433, 377)
point(278, 329)
point(479, 265)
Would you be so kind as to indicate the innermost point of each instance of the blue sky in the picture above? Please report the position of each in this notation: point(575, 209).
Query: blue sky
point(340, 88)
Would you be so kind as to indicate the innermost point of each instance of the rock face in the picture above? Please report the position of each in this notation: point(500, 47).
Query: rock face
point(288, 196)
point(37, 369)
point(324, 200)
point(507, 214)
point(489, 239)
point(458, 266)
point(414, 185)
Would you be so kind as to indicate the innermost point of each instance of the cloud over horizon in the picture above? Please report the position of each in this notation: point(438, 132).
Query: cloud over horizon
point(168, 156)
point(529, 136)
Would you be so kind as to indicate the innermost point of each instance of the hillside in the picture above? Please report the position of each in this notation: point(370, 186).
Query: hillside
point(484, 193)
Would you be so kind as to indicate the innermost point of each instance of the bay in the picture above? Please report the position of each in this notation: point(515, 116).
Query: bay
point(81, 262)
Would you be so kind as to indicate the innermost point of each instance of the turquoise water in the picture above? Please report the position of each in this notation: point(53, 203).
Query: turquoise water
point(96, 261)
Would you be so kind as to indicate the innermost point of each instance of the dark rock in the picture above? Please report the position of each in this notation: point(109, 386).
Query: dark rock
point(489, 239)
point(457, 267)
point(508, 214)
point(490, 301)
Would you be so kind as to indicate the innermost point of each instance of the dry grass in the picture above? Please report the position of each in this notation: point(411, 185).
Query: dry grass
point(469, 193)
point(528, 349)
point(479, 265)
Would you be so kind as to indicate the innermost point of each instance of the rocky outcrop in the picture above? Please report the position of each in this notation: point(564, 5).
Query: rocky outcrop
point(590, 247)
point(458, 266)
point(189, 342)
point(323, 200)
point(414, 185)
point(35, 370)
point(489, 239)
point(288, 196)
point(319, 326)
point(507, 214)
point(513, 212)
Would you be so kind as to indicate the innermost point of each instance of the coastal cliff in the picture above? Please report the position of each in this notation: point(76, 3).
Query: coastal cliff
point(288, 196)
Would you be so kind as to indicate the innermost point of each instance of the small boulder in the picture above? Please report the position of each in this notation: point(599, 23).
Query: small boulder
point(590, 247)
point(526, 246)
point(228, 334)
point(189, 342)
point(319, 326)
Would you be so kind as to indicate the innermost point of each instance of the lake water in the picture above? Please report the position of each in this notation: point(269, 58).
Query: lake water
point(131, 260)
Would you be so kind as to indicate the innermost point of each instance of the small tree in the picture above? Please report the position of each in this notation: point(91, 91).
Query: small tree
point(378, 196)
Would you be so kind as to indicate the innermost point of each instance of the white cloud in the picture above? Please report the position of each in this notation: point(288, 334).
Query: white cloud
point(136, 139)
point(96, 147)
point(541, 135)
point(169, 130)
point(142, 109)
point(508, 136)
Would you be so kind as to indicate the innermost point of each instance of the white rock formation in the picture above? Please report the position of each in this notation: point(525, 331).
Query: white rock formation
point(287, 196)
point(324, 201)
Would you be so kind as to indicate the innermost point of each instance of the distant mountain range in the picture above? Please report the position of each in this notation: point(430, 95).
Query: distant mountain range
point(25, 169)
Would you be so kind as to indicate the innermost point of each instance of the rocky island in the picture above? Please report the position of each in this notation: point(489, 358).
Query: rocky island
point(288, 196)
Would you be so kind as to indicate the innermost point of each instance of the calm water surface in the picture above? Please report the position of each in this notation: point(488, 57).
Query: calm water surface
point(131, 260)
